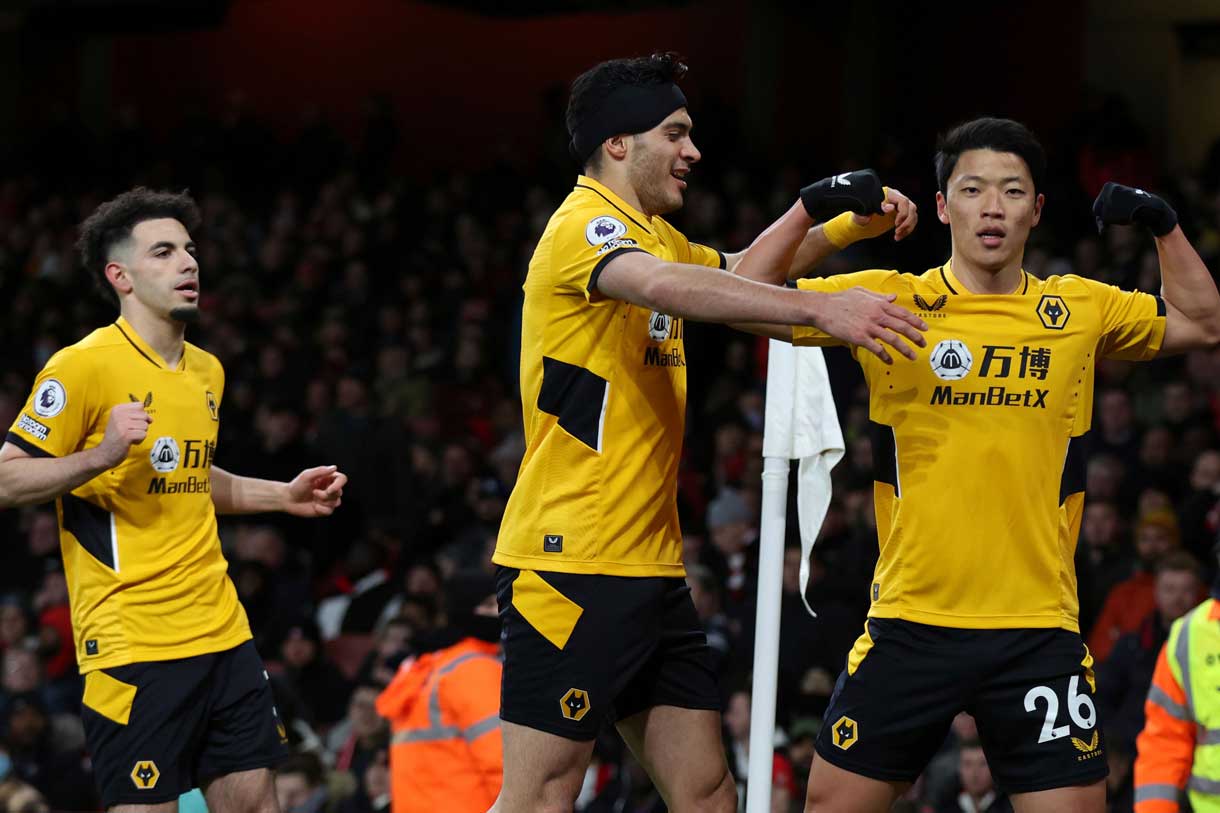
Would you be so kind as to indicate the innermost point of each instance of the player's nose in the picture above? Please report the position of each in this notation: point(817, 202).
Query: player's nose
point(690, 153)
point(992, 205)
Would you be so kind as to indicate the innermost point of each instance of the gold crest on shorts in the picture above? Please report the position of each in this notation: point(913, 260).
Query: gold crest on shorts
point(574, 704)
point(145, 774)
point(845, 733)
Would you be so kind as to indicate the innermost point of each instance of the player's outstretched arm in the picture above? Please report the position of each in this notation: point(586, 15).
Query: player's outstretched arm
point(315, 492)
point(1192, 302)
point(29, 480)
point(855, 316)
point(872, 210)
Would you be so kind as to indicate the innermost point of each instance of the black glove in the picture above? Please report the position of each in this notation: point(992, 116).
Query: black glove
point(1119, 205)
point(858, 192)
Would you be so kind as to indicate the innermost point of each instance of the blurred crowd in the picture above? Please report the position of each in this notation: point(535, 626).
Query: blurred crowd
point(370, 319)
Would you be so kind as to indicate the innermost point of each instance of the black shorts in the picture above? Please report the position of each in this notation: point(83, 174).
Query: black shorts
point(157, 729)
point(580, 649)
point(1030, 691)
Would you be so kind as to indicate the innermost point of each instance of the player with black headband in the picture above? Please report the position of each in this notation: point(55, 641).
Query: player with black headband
point(598, 622)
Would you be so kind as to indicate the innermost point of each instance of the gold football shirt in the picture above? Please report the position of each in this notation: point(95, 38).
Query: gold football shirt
point(978, 443)
point(603, 393)
point(146, 576)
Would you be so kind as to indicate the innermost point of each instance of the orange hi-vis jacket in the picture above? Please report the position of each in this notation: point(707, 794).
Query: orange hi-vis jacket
point(1177, 748)
point(444, 712)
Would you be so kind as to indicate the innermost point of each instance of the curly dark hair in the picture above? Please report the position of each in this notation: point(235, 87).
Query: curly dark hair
point(113, 221)
point(592, 87)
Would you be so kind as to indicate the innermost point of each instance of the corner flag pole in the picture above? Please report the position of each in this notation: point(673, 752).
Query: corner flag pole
point(801, 423)
point(777, 452)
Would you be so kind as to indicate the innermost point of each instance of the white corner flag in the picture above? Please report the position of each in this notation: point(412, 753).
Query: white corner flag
point(801, 424)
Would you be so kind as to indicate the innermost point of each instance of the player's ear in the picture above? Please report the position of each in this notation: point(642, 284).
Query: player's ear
point(119, 278)
point(616, 146)
point(1039, 202)
point(942, 208)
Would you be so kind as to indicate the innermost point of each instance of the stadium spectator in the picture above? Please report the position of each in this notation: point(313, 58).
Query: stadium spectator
point(300, 785)
point(737, 744)
point(1132, 600)
point(1103, 558)
point(1123, 680)
point(58, 770)
point(310, 674)
point(374, 792)
point(705, 592)
point(1199, 523)
point(352, 745)
point(976, 791)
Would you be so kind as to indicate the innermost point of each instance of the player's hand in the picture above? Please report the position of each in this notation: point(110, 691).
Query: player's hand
point(867, 319)
point(126, 427)
point(859, 192)
point(1119, 205)
point(898, 212)
point(316, 492)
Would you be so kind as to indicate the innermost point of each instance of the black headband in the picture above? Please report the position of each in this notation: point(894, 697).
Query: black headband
point(628, 109)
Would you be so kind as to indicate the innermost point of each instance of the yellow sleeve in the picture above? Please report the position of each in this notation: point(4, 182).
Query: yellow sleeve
point(687, 252)
point(61, 410)
point(874, 280)
point(1132, 322)
point(706, 255)
point(585, 241)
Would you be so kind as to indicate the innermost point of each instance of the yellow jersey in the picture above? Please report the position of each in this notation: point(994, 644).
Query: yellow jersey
point(603, 398)
point(978, 442)
point(146, 577)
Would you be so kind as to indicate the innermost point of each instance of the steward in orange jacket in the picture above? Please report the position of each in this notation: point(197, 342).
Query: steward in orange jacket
point(1179, 748)
point(444, 711)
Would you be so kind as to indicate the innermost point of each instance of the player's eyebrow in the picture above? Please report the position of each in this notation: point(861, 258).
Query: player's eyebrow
point(679, 125)
point(981, 179)
point(160, 244)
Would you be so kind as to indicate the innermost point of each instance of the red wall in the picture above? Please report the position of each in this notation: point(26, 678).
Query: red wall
point(450, 74)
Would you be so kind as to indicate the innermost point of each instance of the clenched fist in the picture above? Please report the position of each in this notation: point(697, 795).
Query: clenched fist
point(127, 427)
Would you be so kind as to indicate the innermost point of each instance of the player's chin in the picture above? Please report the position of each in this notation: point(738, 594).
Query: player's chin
point(674, 200)
point(188, 314)
point(991, 259)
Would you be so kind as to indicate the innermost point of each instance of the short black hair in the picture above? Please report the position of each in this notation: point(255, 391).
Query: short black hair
point(1000, 135)
point(113, 221)
point(592, 87)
